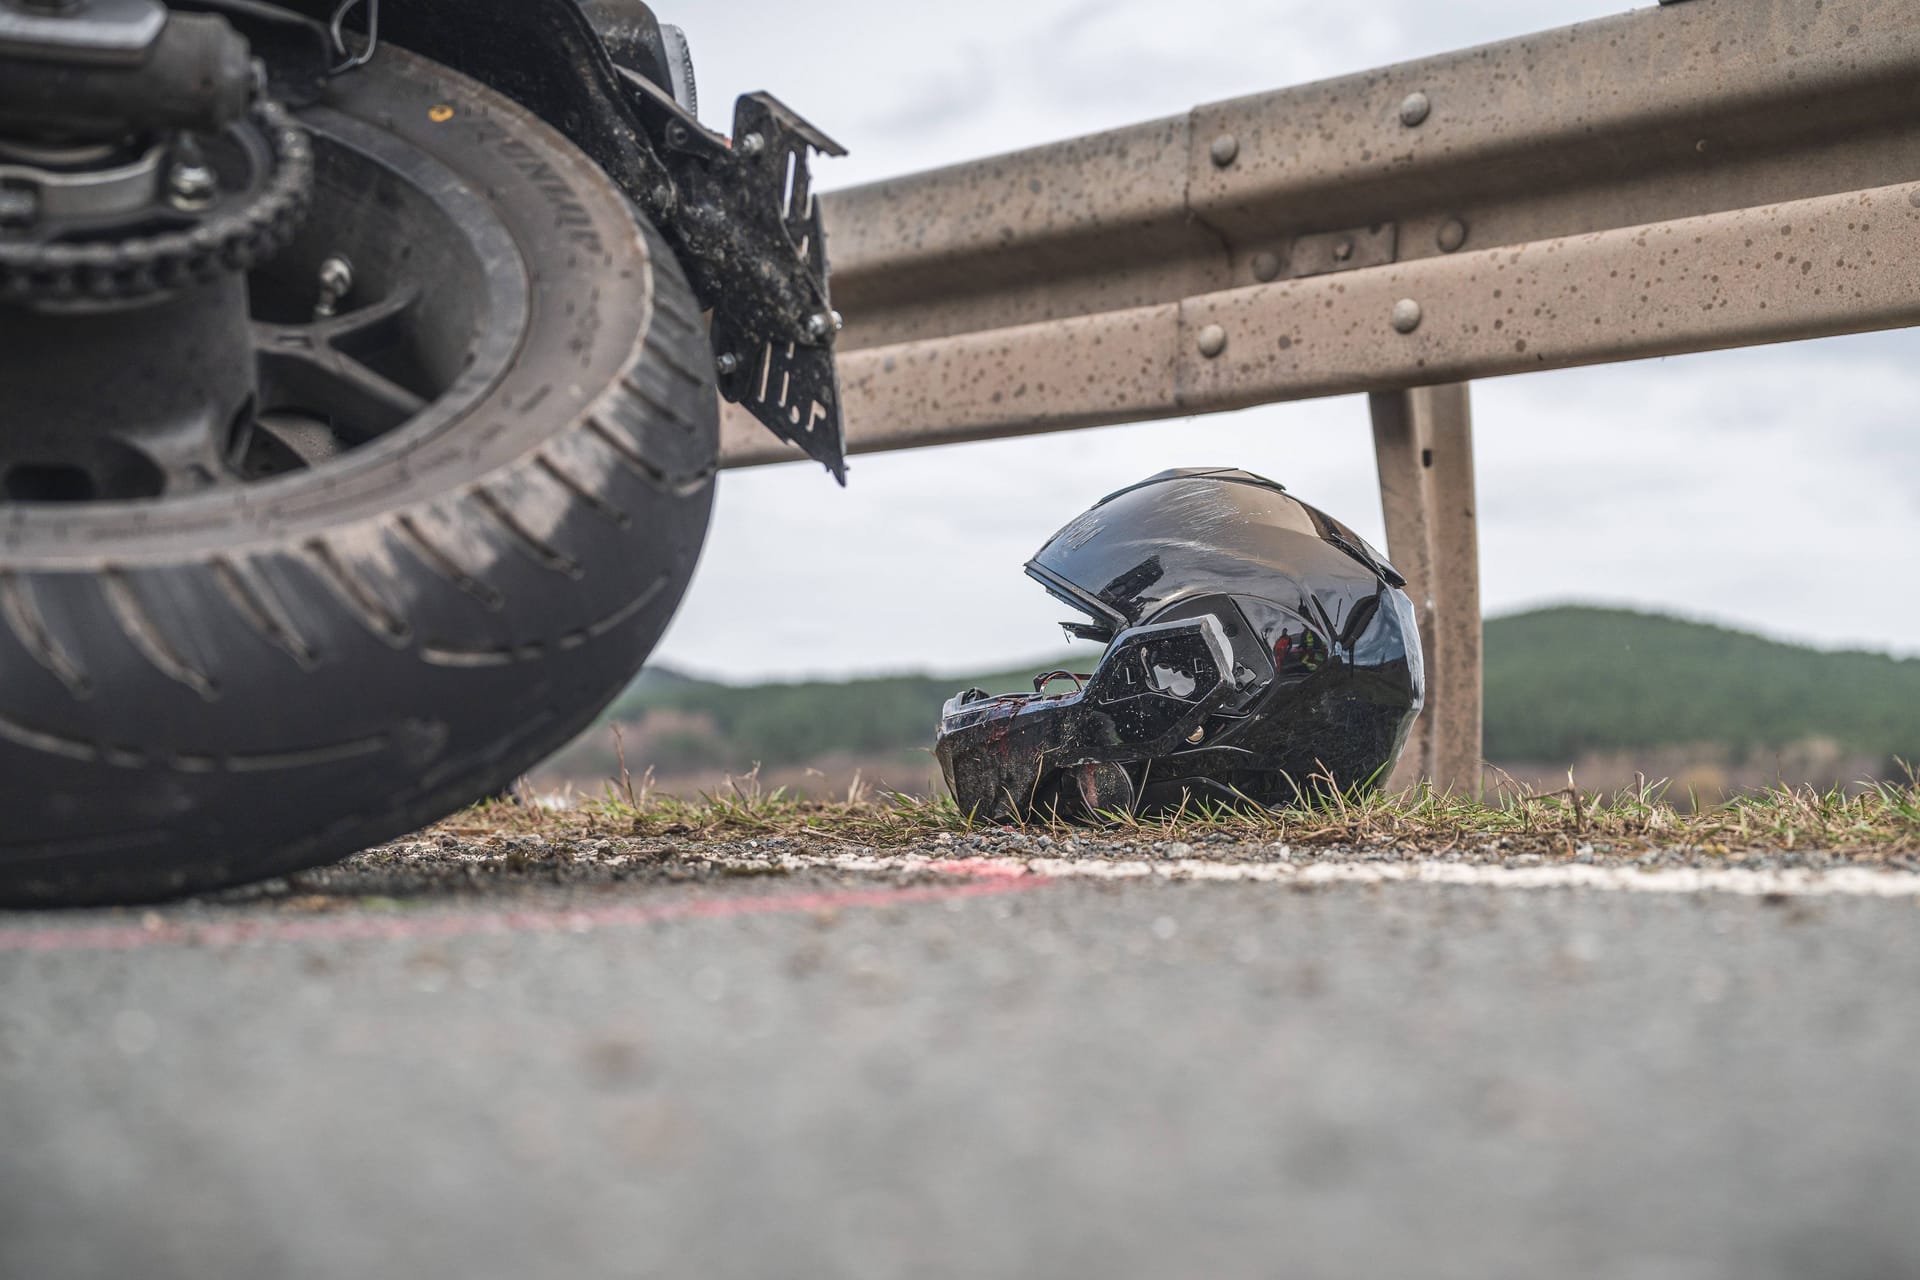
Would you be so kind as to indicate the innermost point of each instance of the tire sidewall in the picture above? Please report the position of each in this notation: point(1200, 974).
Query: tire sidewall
point(279, 675)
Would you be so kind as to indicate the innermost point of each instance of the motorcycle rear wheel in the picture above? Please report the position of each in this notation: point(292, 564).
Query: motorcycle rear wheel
point(469, 506)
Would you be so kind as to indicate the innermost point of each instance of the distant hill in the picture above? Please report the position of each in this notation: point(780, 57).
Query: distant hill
point(1561, 684)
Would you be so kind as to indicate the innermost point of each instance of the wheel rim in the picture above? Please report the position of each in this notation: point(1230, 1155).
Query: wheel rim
point(435, 310)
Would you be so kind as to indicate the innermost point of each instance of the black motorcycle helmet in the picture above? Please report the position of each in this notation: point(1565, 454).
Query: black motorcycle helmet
point(1258, 650)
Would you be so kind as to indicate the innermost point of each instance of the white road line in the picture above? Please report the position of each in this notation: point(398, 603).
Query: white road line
point(1799, 882)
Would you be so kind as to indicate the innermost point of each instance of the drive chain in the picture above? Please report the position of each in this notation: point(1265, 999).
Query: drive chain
point(232, 240)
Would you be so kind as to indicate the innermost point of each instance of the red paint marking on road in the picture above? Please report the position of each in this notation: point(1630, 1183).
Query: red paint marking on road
point(984, 868)
point(427, 926)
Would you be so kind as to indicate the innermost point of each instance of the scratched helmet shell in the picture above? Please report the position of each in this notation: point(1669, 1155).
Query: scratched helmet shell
point(1257, 650)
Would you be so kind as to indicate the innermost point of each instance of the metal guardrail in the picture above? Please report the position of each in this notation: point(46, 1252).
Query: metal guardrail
point(1701, 175)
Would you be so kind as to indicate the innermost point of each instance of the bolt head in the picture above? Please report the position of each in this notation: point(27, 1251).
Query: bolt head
point(336, 274)
point(1414, 109)
point(1212, 340)
point(752, 144)
point(1266, 266)
point(192, 185)
point(726, 362)
point(819, 325)
point(336, 282)
point(1225, 150)
point(1452, 234)
point(1199, 733)
point(1343, 250)
point(1406, 315)
point(19, 207)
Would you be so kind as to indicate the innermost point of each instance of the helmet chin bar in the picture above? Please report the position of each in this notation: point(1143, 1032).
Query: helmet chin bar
point(1151, 696)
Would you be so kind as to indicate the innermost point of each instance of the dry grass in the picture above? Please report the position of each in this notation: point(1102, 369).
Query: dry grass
point(1878, 819)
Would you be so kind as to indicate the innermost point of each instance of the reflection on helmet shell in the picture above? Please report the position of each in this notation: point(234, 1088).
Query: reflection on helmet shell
point(1274, 647)
point(1195, 532)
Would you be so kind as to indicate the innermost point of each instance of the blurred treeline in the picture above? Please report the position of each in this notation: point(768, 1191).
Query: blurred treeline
point(1565, 682)
point(735, 726)
point(1563, 686)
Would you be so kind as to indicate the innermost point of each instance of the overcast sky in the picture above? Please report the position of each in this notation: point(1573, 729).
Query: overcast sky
point(1776, 489)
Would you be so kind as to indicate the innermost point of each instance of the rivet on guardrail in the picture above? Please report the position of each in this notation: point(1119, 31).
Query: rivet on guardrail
point(1406, 315)
point(1414, 108)
point(1212, 341)
point(1225, 149)
point(1452, 234)
point(1266, 266)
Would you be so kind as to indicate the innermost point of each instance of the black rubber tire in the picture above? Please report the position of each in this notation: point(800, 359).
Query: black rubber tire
point(204, 692)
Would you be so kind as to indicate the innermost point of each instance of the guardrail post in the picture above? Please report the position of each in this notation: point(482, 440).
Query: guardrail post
point(1423, 445)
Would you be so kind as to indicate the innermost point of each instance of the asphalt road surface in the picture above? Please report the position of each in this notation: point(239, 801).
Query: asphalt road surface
point(805, 1062)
